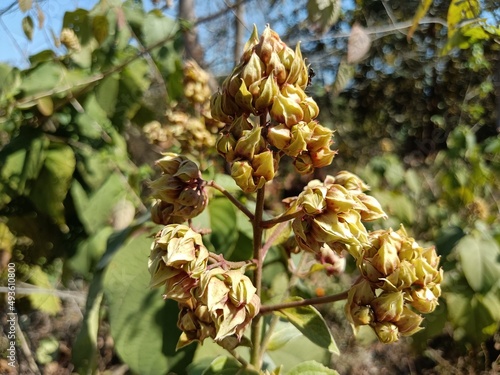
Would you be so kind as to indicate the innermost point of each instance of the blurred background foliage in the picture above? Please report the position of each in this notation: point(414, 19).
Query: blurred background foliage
point(411, 88)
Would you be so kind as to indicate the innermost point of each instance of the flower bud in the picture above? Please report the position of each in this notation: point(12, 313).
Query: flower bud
point(362, 315)
point(372, 210)
point(351, 182)
point(286, 110)
point(279, 136)
point(303, 164)
point(386, 259)
point(225, 146)
point(388, 306)
point(244, 98)
point(250, 143)
point(252, 71)
point(310, 108)
point(333, 263)
point(241, 172)
point(424, 300)
point(386, 332)
point(408, 322)
point(268, 90)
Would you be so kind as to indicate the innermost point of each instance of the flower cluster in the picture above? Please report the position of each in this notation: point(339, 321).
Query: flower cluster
point(333, 211)
point(216, 303)
point(396, 274)
point(195, 84)
point(270, 79)
point(179, 191)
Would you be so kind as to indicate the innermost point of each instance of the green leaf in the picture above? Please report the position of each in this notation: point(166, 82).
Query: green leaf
point(143, 325)
point(52, 185)
point(43, 78)
point(312, 325)
point(311, 368)
point(158, 27)
point(479, 261)
point(27, 24)
point(283, 333)
point(419, 14)
point(223, 223)
point(106, 94)
point(100, 28)
point(447, 238)
point(223, 366)
point(11, 80)
point(46, 302)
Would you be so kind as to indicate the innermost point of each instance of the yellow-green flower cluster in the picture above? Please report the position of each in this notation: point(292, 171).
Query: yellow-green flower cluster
point(195, 84)
point(396, 274)
point(333, 212)
point(216, 302)
point(268, 85)
point(225, 302)
point(179, 191)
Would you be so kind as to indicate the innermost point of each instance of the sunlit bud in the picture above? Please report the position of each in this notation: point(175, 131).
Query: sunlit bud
point(403, 277)
point(386, 332)
point(321, 136)
point(431, 256)
point(370, 272)
point(310, 108)
point(388, 306)
point(351, 182)
point(386, 259)
point(300, 134)
point(268, 89)
point(69, 39)
point(167, 188)
point(212, 290)
point(241, 172)
point(203, 314)
point(312, 200)
point(250, 44)
point(338, 199)
point(301, 229)
point(225, 146)
point(361, 293)
point(188, 321)
point(179, 287)
point(241, 290)
point(408, 322)
point(269, 42)
point(424, 300)
point(239, 125)
point(253, 69)
point(322, 157)
point(216, 109)
point(373, 210)
point(286, 110)
point(303, 164)
point(297, 68)
point(232, 83)
point(425, 273)
point(171, 162)
point(279, 136)
point(244, 98)
point(276, 67)
point(361, 315)
point(250, 143)
point(163, 213)
point(230, 107)
point(263, 165)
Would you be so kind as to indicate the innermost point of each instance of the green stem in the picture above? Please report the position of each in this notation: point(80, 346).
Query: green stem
point(257, 322)
point(305, 302)
point(233, 200)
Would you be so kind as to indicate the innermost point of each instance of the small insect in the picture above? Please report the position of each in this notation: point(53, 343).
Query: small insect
point(311, 76)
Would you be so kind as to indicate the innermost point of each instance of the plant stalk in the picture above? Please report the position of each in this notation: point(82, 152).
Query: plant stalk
point(305, 302)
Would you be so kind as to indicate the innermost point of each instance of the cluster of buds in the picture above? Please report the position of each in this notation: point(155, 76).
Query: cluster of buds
point(225, 302)
point(216, 302)
point(269, 80)
point(181, 130)
point(180, 193)
point(333, 212)
point(69, 40)
point(196, 88)
point(398, 276)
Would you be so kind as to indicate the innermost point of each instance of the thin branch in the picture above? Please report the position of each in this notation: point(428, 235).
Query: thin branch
point(266, 224)
point(305, 302)
point(272, 238)
point(233, 199)
point(239, 358)
point(220, 13)
point(13, 40)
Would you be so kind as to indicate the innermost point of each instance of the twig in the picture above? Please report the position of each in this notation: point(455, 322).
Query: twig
point(305, 302)
point(220, 13)
point(233, 200)
point(280, 219)
point(239, 358)
point(272, 238)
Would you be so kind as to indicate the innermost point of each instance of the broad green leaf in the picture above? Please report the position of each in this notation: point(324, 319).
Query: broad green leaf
point(43, 301)
point(100, 28)
point(279, 233)
point(27, 24)
point(21, 161)
point(312, 325)
point(419, 14)
point(43, 78)
point(79, 20)
point(90, 251)
point(158, 27)
point(143, 325)
point(11, 80)
point(447, 238)
point(222, 365)
point(223, 223)
point(479, 261)
point(106, 93)
point(283, 333)
point(52, 185)
point(96, 211)
point(471, 313)
point(311, 368)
